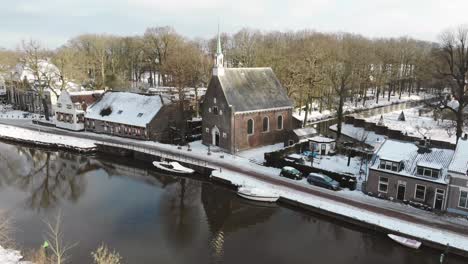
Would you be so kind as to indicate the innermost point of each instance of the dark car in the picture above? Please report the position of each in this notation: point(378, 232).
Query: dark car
point(291, 173)
point(323, 181)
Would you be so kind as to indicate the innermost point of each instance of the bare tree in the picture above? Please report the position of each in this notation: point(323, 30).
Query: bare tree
point(56, 241)
point(452, 53)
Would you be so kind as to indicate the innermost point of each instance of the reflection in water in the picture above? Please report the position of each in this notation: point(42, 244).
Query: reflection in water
point(48, 177)
point(153, 218)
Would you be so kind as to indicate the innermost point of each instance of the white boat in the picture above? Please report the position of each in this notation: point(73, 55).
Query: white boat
point(256, 194)
point(411, 243)
point(172, 166)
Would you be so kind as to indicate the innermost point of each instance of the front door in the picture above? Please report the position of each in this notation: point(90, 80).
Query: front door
point(401, 192)
point(217, 139)
point(439, 199)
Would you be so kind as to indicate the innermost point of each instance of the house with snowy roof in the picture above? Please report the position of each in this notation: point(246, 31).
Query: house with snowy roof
point(132, 115)
point(71, 107)
point(244, 108)
point(405, 171)
point(458, 172)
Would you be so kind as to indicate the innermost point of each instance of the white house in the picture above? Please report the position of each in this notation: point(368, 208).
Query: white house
point(322, 145)
point(71, 108)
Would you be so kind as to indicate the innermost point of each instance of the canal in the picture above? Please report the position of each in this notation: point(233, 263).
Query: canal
point(154, 218)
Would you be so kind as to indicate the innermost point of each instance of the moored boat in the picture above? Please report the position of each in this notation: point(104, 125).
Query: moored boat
point(257, 194)
point(408, 242)
point(172, 166)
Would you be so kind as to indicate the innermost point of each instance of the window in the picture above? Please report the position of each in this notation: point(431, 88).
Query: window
point(383, 184)
point(280, 122)
point(119, 112)
point(69, 106)
point(433, 173)
point(214, 100)
point(266, 125)
point(209, 109)
point(224, 135)
point(250, 126)
point(389, 165)
point(59, 105)
point(463, 201)
point(140, 115)
point(215, 110)
point(220, 112)
point(207, 130)
point(420, 192)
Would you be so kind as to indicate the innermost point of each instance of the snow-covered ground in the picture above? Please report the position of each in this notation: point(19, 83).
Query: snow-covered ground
point(9, 256)
point(426, 232)
point(257, 154)
point(44, 137)
point(418, 126)
point(338, 164)
point(350, 107)
point(360, 134)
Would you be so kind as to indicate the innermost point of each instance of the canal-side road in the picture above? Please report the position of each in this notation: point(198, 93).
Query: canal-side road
point(375, 213)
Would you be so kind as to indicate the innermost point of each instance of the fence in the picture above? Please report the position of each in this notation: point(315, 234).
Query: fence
point(160, 153)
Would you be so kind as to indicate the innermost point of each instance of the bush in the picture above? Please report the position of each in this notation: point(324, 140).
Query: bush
point(104, 256)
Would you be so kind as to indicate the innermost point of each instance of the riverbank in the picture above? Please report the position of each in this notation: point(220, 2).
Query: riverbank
point(434, 230)
point(10, 256)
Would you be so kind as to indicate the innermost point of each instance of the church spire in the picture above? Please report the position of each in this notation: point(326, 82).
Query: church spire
point(218, 68)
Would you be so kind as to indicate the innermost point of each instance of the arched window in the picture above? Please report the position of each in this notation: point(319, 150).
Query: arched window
point(250, 126)
point(280, 122)
point(266, 125)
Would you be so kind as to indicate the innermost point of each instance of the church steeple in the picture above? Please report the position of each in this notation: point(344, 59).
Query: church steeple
point(218, 68)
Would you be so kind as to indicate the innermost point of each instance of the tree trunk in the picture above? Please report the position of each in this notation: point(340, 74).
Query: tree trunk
point(340, 113)
point(377, 96)
point(46, 108)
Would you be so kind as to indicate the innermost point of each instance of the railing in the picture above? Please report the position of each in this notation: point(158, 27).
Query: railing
point(161, 153)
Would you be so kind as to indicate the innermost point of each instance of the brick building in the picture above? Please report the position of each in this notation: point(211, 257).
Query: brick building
point(244, 108)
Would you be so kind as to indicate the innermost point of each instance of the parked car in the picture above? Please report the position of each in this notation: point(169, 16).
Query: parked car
point(296, 158)
point(291, 173)
point(323, 181)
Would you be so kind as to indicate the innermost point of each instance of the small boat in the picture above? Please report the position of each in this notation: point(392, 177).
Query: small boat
point(256, 194)
point(411, 243)
point(172, 166)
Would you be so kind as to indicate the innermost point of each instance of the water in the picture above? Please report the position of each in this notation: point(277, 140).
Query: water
point(153, 218)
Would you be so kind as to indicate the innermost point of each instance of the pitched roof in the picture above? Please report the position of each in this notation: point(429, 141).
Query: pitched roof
point(408, 154)
point(126, 108)
point(251, 89)
point(89, 97)
point(459, 162)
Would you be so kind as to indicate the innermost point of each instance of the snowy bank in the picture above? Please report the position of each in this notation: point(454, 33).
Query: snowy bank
point(397, 225)
point(46, 139)
point(9, 256)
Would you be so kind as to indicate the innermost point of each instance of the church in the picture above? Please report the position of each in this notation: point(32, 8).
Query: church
point(244, 108)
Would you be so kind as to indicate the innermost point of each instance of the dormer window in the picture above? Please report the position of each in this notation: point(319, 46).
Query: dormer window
point(390, 165)
point(427, 172)
point(140, 115)
point(59, 105)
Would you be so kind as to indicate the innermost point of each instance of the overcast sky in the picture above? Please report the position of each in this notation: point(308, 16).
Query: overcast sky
point(53, 22)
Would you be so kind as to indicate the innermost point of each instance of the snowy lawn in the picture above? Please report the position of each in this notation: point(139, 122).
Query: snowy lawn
point(338, 164)
point(258, 154)
point(359, 133)
point(44, 137)
point(351, 107)
point(418, 126)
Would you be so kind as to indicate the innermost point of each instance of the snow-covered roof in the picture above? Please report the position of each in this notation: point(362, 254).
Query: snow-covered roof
point(126, 108)
point(321, 139)
point(459, 162)
point(408, 154)
point(304, 132)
